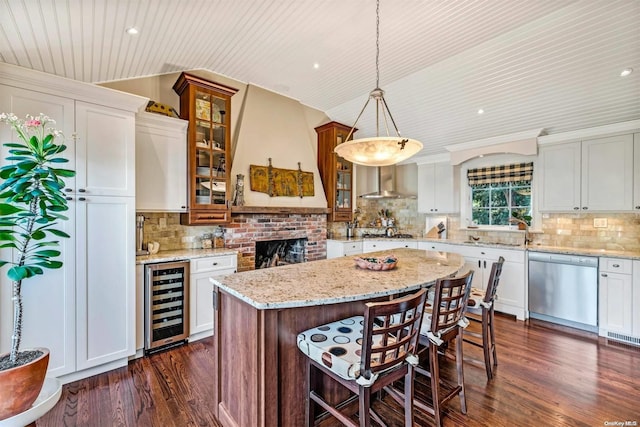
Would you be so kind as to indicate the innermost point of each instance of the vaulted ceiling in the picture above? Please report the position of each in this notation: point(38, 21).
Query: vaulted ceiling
point(552, 64)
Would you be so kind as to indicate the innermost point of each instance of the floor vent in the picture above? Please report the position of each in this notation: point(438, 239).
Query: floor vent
point(624, 338)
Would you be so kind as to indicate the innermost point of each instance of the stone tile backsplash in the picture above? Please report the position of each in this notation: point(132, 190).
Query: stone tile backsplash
point(622, 230)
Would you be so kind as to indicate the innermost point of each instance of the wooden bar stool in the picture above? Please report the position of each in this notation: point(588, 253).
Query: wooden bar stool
point(366, 354)
point(480, 306)
point(443, 322)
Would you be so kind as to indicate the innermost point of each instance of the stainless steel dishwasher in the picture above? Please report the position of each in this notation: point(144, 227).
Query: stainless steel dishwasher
point(564, 289)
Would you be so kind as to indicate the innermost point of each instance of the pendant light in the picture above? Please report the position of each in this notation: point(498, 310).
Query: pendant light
point(380, 150)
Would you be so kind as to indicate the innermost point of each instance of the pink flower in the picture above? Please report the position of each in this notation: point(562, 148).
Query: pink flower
point(33, 123)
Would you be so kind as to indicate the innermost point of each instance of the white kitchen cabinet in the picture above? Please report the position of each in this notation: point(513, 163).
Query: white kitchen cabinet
point(201, 291)
point(338, 248)
point(161, 163)
point(636, 172)
point(84, 312)
point(437, 192)
point(591, 175)
point(385, 245)
point(512, 286)
point(615, 298)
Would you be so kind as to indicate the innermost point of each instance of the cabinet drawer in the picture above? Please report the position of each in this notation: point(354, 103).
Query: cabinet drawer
point(204, 217)
point(353, 248)
point(200, 265)
point(616, 265)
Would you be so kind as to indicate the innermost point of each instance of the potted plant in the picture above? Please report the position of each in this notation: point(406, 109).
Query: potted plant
point(32, 203)
point(521, 219)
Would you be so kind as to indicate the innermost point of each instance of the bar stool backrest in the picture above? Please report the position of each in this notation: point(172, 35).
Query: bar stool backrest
point(391, 332)
point(494, 279)
point(450, 300)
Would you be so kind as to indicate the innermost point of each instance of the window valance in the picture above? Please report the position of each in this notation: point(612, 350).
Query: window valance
point(499, 174)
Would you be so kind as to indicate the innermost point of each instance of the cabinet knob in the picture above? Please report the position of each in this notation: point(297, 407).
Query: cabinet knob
point(616, 265)
point(82, 199)
point(183, 207)
point(68, 190)
point(214, 264)
point(604, 275)
point(638, 207)
point(575, 208)
point(81, 190)
point(584, 208)
point(69, 198)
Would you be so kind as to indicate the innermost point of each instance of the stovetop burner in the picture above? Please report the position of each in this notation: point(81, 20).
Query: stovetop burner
point(384, 236)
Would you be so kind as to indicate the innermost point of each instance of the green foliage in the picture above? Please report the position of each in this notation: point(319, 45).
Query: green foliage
point(31, 204)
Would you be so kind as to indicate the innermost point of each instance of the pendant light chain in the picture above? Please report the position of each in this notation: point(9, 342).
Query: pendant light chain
point(377, 43)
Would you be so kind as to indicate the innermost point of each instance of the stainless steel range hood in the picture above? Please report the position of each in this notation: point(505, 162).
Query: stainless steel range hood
point(387, 185)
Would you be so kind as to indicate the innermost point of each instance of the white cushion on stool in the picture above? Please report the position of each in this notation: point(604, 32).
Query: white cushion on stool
point(337, 346)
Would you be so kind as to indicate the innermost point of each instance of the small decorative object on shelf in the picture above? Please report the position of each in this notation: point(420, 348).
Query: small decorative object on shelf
point(387, 262)
point(238, 199)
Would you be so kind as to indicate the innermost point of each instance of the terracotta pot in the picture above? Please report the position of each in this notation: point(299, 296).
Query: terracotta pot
point(521, 226)
point(20, 386)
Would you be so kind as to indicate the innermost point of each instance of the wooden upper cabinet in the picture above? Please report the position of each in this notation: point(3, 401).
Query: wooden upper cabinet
point(336, 172)
point(207, 107)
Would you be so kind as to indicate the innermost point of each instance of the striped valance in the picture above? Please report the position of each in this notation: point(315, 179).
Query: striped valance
point(499, 174)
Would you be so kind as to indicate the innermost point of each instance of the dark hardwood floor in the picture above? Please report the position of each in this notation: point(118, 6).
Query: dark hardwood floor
point(546, 376)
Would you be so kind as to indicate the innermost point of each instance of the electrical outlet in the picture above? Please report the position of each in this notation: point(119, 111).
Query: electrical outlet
point(599, 222)
point(162, 223)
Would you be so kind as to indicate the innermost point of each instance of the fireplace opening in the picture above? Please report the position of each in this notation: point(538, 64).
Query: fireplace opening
point(273, 253)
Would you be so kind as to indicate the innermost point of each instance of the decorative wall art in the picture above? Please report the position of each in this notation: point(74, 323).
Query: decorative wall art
point(281, 182)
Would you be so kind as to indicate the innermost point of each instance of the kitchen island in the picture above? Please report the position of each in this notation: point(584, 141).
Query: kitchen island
point(259, 374)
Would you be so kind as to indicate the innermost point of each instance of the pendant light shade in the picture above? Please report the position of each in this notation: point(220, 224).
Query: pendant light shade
point(379, 150)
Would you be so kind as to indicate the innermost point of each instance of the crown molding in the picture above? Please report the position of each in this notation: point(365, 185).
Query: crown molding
point(25, 78)
point(596, 131)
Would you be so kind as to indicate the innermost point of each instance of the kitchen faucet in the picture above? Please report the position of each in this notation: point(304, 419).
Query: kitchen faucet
point(527, 237)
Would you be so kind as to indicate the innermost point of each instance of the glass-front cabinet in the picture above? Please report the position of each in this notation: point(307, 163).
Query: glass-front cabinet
point(336, 172)
point(207, 105)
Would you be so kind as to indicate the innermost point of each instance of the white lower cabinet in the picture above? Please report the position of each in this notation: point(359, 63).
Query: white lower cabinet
point(636, 301)
point(201, 291)
point(512, 285)
point(338, 248)
point(616, 302)
point(385, 245)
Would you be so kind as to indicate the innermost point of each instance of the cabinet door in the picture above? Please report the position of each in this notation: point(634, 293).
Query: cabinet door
point(615, 303)
point(607, 174)
point(201, 304)
point(436, 189)
point(105, 276)
point(161, 163)
point(511, 289)
point(560, 177)
point(105, 151)
point(49, 299)
point(636, 172)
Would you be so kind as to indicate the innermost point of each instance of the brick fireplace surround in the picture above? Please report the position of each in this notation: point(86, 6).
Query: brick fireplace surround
point(245, 229)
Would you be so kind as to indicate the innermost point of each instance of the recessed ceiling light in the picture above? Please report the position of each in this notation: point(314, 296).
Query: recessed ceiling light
point(480, 111)
point(132, 31)
point(316, 65)
point(626, 72)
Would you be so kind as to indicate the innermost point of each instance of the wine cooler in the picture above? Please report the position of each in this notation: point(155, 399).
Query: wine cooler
point(166, 305)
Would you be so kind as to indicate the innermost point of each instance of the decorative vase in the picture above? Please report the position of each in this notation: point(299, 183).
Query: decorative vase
point(522, 226)
point(20, 386)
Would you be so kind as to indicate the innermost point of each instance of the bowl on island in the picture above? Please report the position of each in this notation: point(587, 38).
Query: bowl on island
point(387, 262)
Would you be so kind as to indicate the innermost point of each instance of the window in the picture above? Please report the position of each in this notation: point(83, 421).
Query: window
point(494, 204)
point(500, 192)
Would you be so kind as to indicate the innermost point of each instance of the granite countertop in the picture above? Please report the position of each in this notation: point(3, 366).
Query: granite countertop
point(182, 254)
point(337, 280)
point(612, 253)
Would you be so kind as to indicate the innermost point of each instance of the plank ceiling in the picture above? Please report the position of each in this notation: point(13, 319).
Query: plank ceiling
point(552, 64)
